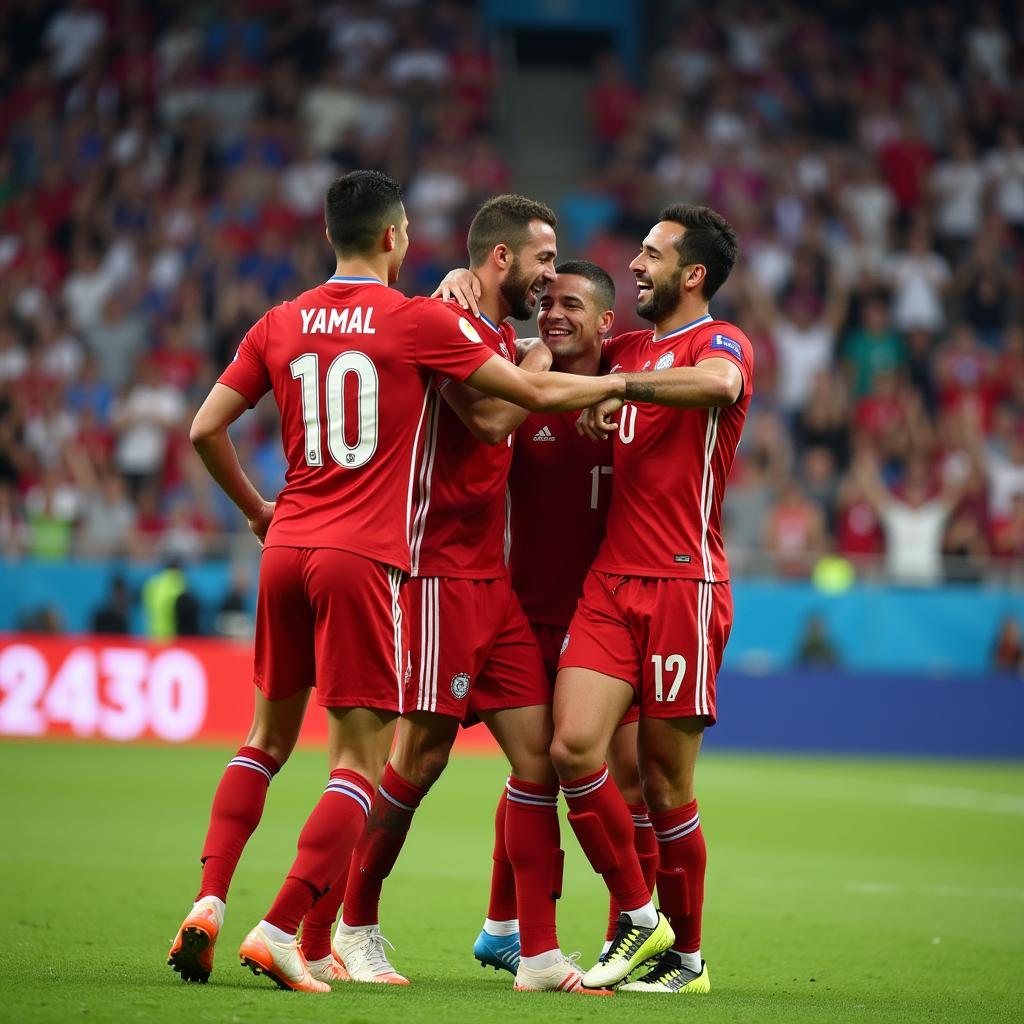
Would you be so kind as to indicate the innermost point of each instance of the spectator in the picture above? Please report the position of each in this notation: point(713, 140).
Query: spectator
point(113, 617)
point(143, 419)
point(160, 595)
point(914, 523)
point(816, 650)
point(1008, 653)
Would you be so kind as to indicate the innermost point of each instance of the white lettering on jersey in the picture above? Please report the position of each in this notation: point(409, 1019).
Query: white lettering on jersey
point(338, 321)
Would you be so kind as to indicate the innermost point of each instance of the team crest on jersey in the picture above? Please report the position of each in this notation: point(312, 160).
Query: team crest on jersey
point(460, 685)
point(665, 361)
point(565, 643)
point(470, 331)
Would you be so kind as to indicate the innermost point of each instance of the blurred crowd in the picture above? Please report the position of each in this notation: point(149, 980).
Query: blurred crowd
point(162, 169)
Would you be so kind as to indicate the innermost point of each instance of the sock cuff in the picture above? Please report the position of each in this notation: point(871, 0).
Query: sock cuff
point(346, 782)
point(397, 791)
point(256, 759)
point(532, 794)
point(676, 823)
point(577, 788)
point(641, 819)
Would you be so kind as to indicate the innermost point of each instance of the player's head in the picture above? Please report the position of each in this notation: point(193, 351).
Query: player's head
point(512, 239)
point(691, 250)
point(365, 218)
point(577, 309)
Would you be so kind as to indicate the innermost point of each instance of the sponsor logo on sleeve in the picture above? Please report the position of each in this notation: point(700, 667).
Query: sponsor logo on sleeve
point(460, 685)
point(734, 348)
point(470, 331)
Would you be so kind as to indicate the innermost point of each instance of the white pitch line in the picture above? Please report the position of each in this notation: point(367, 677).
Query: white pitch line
point(963, 799)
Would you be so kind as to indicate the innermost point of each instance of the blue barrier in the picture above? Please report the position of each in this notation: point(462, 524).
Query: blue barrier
point(846, 713)
point(948, 631)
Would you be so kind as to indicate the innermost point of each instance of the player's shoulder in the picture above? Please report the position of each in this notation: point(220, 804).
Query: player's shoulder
point(613, 348)
point(724, 336)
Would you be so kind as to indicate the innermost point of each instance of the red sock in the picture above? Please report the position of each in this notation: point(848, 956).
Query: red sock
point(531, 838)
point(646, 846)
point(236, 811)
point(682, 860)
point(502, 905)
point(326, 841)
point(602, 823)
point(378, 849)
point(318, 924)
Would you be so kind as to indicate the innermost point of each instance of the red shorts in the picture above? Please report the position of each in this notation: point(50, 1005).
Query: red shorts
point(330, 619)
point(665, 637)
point(472, 649)
point(550, 640)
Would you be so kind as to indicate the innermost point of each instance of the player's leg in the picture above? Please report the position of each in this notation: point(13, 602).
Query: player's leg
point(686, 643)
point(318, 924)
point(622, 763)
point(497, 945)
point(326, 840)
point(421, 753)
point(600, 663)
point(284, 673)
point(668, 758)
point(359, 643)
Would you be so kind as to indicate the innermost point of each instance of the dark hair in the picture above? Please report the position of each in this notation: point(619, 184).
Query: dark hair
point(504, 219)
point(604, 286)
point(359, 207)
point(709, 239)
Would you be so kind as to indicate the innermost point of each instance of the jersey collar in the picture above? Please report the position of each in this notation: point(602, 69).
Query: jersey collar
point(345, 279)
point(705, 319)
point(490, 323)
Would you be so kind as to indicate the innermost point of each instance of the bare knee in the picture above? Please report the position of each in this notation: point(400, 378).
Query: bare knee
point(573, 758)
point(663, 790)
point(278, 743)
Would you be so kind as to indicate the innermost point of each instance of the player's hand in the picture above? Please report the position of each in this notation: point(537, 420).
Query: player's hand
point(533, 355)
point(598, 422)
point(260, 523)
point(462, 286)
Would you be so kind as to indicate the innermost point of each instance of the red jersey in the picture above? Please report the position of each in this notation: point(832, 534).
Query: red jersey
point(459, 521)
point(671, 465)
point(560, 487)
point(350, 365)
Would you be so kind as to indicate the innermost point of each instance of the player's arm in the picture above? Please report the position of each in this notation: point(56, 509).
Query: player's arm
point(544, 392)
point(461, 285)
point(209, 437)
point(490, 419)
point(712, 382)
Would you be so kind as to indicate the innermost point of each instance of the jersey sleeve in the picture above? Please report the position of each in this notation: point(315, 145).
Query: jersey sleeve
point(247, 372)
point(721, 341)
point(449, 344)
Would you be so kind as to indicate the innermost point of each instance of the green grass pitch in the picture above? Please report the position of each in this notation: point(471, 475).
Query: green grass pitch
point(838, 890)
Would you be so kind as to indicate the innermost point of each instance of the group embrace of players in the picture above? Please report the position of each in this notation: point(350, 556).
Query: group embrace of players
point(456, 542)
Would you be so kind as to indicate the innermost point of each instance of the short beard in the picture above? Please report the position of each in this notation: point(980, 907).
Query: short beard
point(664, 299)
point(514, 290)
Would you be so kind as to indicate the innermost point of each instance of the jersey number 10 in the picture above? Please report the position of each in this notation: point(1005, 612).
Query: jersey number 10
point(306, 368)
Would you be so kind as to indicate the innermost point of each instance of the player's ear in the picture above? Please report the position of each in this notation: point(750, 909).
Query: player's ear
point(605, 321)
point(389, 238)
point(502, 256)
point(694, 279)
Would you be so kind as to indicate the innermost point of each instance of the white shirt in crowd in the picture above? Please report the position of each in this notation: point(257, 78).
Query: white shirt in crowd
point(959, 189)
point(918, 280)
point(803, 352)
point(151, 411)
point(913, 541)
